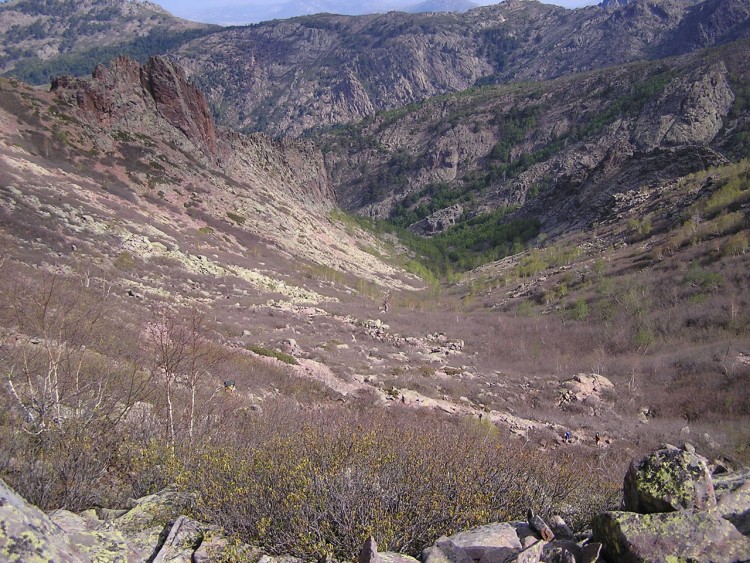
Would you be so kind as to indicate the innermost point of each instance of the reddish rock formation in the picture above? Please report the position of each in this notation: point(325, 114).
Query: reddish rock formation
point(180, 102)
point(114, 92)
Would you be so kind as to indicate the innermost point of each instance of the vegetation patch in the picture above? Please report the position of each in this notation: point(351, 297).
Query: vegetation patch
point(239, 219)
point(270, 353)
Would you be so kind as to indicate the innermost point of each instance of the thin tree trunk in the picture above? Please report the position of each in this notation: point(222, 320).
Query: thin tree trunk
point(170, 416)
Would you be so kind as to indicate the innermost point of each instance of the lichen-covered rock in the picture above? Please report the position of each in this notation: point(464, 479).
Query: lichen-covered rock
point(667, 480)
point(94, 544)
point(733, 496)
point(687, 535)
point(184, 537)
point(27, 534)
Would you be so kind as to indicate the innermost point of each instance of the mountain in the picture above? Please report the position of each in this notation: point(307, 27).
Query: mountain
point(442, 6)
point(250, 13)
point(40, 39)
point(289, 77)
point(146, 136)
point(557, 150)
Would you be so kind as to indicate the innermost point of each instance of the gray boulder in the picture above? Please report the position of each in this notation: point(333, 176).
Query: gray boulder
point(667, 480)
point(369, 554)
point(493, 543)
point(445, 551)
point(147, 522)
point(733, 498)
point(183, 539)
point(687, 535)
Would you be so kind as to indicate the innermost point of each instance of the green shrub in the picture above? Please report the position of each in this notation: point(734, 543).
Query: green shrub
point(737, 245)
point(704, 279)
point(311, 488)
point(269, 353)
point(239, 219)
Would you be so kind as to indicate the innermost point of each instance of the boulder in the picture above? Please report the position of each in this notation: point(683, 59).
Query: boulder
point(28, 534)
point(532, 554)
point(445, 551)
point(369, 554)
point(733, 498)
point(183, 539)
point(687, 535)
point(585, 386)
point(540, 526)
point(581, 553)
point(667, 480)
point(93, 544)
point(392, 557)
point(560, 528)
point(146, 524)
point(492, 543)
point(369, 551)
point(217, 547)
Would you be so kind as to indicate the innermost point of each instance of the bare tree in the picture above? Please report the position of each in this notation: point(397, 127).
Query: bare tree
point(182, 354)
point(52, 341)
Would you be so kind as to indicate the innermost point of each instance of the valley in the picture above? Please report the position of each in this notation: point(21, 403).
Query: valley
point(292, 302)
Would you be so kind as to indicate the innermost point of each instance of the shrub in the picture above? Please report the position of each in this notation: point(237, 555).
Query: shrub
point(312, 487)
point(269, 353)
point(704, 279)
point(736, 245)
point(239, 219)
point(579, 311)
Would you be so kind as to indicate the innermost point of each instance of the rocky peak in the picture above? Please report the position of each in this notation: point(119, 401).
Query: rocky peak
point(180, 102)
point(112, 93)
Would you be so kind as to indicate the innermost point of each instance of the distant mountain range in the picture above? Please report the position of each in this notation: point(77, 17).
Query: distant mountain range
point(253, 13)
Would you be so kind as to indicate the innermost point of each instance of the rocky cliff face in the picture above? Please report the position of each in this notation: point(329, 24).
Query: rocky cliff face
point(558, 149)
point(287, 77)
point(128, 96)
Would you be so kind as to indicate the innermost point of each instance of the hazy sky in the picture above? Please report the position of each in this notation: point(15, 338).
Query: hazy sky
point(187, 8)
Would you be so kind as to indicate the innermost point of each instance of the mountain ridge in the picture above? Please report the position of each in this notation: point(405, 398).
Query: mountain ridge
point(337, 69)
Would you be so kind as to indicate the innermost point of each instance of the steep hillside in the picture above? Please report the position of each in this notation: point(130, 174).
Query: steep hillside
point(40, 39)
point(286, 77)
point(556, 151)
point(139, 142)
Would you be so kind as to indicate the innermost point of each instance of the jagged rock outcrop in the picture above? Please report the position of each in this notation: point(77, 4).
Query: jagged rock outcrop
point(159, 84)
point(691, 110)
point(180, 102)
point(439, 221)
